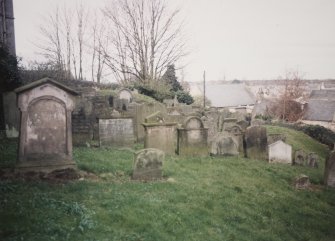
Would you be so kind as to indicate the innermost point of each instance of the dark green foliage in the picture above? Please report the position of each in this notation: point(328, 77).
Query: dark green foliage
point(9, 73)
point(317, 132)
point(171, 79)
point(320, 133)
point(158, 94)
point(184, 97)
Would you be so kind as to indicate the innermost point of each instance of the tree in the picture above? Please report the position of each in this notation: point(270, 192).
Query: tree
point(145, 38)
point(171, 79)
point(9, 71)
point(289, 106)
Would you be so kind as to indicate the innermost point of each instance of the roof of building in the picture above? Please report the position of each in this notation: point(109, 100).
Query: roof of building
point(228, 95)
point(320, 110)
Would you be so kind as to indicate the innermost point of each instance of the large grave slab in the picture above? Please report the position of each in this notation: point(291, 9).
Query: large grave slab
point(192, 138)
point(330, 170)
point(256, 142)
point(45, 130)
point(280, 152)
point(223, 145)
point(148, 164)
point(160, 134)
point(116, 132)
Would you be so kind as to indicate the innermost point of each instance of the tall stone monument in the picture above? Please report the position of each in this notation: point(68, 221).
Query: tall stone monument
point(45, 129)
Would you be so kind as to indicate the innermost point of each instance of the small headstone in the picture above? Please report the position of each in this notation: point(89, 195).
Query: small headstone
point(148, 164)
point(256, 142)
point(299, 158)
point(302, 182)
point(330, 170)
point(224, 146)
point(280, 152)
point(192, 138)
point(160, 134)
point(312, 160)
point(125, 94)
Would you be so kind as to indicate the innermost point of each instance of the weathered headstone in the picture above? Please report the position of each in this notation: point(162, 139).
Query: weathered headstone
point(312, 160)
point(223, 145)
point(125, 97)
point(235, 131)
point(192, 138)
point(256, 142)
point(45, 133)
point(330, 170)
point(280, 152)
point(148, 164)
point(116, 132)
point(160, 134)
point(300, 158)
point(302, 182)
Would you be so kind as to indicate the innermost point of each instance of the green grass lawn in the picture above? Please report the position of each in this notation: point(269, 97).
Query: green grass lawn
point(199, 199)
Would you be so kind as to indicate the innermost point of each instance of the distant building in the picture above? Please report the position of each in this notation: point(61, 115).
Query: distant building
point(321, 109)
point(226, 95)
point(7, 34)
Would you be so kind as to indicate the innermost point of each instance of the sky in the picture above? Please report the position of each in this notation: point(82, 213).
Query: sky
point(229, 39)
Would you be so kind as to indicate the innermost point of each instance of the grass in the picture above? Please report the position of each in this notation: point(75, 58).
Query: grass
point(200, 199)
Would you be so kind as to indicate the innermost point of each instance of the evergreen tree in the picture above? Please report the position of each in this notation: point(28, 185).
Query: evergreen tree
point(171, 79)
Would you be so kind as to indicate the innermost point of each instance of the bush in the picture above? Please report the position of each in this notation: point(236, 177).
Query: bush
point(184, 97)
point(159, 92)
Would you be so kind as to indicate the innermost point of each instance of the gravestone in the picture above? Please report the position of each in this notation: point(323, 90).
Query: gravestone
point(45, 130)
point(160, 134)
point(330, 170)
point(280, 152)
point(148, 164)
point(125, 97)
point(235, 131)
point(300, 158)
point(302, 182)
point(192, 138)
point(312, 160)
point(223, 145)
point(116, 132)
point(256, 142)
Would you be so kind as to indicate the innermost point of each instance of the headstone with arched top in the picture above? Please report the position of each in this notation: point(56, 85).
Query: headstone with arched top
point(192, 138)
point(45, 130)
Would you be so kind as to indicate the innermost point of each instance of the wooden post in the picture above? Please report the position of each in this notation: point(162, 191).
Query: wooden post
point(204, 89)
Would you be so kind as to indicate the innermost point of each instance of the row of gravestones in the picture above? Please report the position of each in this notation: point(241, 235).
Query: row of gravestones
point(46, 139)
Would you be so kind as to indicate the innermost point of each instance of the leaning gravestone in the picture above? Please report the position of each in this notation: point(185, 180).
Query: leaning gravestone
point(256, 142)
point(116, 132)
point(45, 134)
point(300, 158)
point(160, 134)
point(280, 152)
point(223, 145)
point(192, 138)
point(312, 160)
point(148, 164)
point(330, 170)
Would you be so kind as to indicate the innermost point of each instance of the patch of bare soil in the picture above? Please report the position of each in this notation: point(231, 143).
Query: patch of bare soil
point(57, 176)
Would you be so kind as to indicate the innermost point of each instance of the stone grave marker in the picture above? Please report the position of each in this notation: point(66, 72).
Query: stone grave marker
point(192, 138)
point(148, 164)
point(116, 132)
point(330, 170)
point(45, 142)
point(223, 145)
point(280, 152)
point(312, 160)
point(125, 97)
point(160, 134)
point(300, 158)
point(256, 142)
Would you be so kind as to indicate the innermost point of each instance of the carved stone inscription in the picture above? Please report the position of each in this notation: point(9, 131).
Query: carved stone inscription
point(46, 130)
point(119, 132)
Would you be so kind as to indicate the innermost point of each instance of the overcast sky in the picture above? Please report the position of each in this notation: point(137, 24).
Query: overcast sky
point(230, 39)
